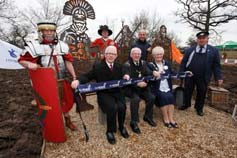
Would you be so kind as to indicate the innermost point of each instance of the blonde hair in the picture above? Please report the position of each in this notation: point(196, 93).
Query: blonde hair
point(157, 50)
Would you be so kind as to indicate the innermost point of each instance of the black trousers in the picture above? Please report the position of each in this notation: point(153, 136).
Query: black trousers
point(201, 87)
point(113, 105)
point(136, 97)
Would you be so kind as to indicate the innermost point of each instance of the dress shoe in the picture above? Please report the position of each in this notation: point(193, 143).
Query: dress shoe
point(174, 125)
point(200, 113)
point(124, 132)
point(168, 125)
point(69, 123)
point(135, 128)
point(183, 107)
point(110, 137)
point(149, 121)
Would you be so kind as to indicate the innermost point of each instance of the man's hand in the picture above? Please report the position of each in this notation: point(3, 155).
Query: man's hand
point(142, 84)
point(32, 66)
point(126, 77)
point(189, 73)
point(75, 84)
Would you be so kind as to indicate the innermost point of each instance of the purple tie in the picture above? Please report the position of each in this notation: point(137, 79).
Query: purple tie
point(111, 67)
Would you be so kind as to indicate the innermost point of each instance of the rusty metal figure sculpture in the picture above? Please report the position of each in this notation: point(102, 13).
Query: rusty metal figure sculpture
point(163, 41)
point(125, 38)
point(75, 35)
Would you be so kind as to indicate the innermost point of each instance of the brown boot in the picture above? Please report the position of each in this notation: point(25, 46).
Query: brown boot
point(69, 123)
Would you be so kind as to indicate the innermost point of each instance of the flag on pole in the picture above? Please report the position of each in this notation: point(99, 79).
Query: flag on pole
point(9, 55)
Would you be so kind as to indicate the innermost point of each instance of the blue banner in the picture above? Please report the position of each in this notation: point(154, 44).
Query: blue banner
point(92, 87)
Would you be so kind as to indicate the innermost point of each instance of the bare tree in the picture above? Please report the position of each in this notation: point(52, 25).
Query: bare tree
point(207, 14)
point(152, 23)
point(18, 27)
point(148, 22)
point(5, 6)
point(171, 35)
point(15, 35)
point(45, 10)
point(191, 41)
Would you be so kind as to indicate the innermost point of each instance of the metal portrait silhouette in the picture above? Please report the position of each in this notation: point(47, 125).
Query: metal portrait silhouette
point(75, 35)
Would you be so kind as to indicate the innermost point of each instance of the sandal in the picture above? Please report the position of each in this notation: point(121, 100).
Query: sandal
point(174, 125)
point(168, 125)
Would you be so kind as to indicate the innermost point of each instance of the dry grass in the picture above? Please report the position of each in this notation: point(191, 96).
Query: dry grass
point(213, 135)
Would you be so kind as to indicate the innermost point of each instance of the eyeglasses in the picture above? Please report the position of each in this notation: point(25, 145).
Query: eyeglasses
point(111, 54)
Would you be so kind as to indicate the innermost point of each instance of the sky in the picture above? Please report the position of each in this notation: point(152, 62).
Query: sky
point(112, 12)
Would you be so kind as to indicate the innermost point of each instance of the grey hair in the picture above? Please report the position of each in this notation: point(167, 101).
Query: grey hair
point(142, 31)
point(136, 49)
point(110, 49)
point(157, 50)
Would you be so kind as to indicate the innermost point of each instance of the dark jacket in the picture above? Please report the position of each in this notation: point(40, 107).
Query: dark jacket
point(155, 85)
point(134, 71)
point(100, 72)
point(143, 45)
point(212, 62)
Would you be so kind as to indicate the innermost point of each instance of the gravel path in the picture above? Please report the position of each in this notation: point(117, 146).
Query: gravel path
point(213, 135)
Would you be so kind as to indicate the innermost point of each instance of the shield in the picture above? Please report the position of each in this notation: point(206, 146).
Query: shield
point(45, 90)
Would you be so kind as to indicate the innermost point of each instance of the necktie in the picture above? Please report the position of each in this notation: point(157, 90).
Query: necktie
point(111, 67)
point(200, 50)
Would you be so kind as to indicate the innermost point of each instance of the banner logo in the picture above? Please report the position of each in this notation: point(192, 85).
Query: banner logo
point(12, 53)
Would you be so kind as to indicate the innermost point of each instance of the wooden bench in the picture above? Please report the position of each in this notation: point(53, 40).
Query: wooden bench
point(101, 117)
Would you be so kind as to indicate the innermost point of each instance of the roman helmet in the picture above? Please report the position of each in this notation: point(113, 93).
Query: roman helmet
point(46, 26)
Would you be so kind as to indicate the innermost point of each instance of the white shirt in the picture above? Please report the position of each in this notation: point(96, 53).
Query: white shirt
point(112, 64)
point(164, 86)
point(203, 49)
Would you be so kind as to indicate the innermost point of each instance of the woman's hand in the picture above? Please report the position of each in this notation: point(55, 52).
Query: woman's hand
point(156, 74)
point(142, 84)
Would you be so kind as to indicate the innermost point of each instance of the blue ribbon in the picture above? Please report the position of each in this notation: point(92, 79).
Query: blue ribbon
point(92, 87)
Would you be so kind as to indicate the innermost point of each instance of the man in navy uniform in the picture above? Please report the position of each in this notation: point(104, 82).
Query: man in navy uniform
point(202, 61)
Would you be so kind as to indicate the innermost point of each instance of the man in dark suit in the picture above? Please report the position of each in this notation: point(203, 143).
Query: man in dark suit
point(202, 61)
point(111, 101)
point(135, 67)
